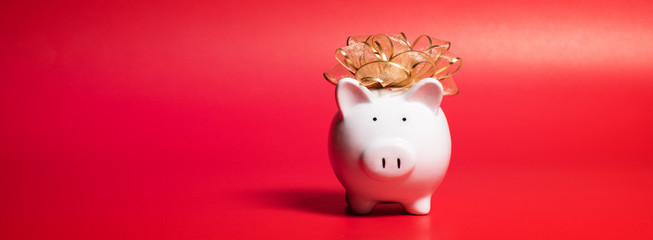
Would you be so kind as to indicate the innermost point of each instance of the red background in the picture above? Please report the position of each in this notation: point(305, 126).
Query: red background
point(209, 120)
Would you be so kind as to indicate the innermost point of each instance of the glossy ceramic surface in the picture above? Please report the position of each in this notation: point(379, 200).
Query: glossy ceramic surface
point(389, 146)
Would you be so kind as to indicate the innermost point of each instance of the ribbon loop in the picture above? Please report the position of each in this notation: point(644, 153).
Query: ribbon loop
point(390, 61)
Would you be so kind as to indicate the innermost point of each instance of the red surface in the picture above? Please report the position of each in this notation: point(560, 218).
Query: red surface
point(209, 120)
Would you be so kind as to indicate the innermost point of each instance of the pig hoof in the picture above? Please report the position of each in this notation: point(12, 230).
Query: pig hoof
point(419, 207)
point(360, 206)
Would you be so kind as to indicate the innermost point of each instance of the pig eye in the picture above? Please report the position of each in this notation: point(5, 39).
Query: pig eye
point(403, 119)
point(374, 119)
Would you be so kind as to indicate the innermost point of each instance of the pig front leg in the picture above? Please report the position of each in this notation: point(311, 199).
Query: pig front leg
point(421, 206)
point(360, 205)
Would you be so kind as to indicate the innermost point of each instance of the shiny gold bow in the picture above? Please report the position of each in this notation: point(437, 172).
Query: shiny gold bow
point(390, 61)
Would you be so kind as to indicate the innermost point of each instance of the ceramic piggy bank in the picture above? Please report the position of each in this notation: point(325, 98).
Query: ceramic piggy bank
point(389, 146)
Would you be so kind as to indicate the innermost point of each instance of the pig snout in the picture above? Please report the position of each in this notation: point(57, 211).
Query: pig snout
point(388, 159)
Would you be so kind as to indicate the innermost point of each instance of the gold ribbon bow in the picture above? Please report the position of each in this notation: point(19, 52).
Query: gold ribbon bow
point(390, 61)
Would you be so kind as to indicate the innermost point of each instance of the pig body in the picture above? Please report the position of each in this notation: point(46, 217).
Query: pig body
point(389, 146)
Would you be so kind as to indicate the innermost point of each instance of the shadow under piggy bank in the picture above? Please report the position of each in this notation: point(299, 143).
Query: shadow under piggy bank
point(321, 201)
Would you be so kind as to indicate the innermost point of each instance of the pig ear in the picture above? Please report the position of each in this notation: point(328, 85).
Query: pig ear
point(427, 91)
point(350, 92)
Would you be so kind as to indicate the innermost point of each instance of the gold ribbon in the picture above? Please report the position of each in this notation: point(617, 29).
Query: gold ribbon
point(390, 61)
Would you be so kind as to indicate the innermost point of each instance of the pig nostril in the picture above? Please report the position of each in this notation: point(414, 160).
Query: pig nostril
point(403, 119)
point(383, 162)
point(398, 163)
point(374, 119)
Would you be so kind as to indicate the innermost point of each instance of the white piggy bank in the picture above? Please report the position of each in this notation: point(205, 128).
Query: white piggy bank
point(389, 146)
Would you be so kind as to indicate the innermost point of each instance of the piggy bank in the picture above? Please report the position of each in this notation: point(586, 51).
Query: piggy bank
point(389, 146)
